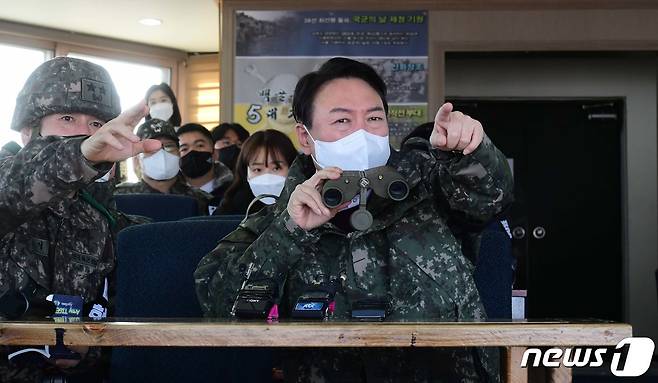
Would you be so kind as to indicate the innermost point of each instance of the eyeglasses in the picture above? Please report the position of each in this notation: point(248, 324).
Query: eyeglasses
point(170, 148)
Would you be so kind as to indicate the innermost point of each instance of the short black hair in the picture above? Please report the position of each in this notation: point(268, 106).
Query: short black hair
point(192, 127)
point(175, 118)
point(219, 131)
point(337, 67)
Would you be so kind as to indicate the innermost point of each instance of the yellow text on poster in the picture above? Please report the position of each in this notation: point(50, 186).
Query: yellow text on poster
point(255, 117)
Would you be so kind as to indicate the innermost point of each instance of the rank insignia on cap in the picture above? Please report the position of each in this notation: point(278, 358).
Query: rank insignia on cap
point(96, 91)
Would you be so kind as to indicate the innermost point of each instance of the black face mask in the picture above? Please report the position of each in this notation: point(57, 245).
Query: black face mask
point(229, 156)
point(196, 164)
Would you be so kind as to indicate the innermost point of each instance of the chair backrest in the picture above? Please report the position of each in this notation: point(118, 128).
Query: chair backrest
point(155, 269)
point(494, 272)
point(155, 266)
point(228, 217)
point(159, 207)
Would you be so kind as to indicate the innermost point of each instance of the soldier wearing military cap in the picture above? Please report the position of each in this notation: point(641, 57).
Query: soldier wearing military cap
point(160, 170)
point(58, 223)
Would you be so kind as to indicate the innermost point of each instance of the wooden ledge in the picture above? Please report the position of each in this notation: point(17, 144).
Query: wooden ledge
point(315, 334)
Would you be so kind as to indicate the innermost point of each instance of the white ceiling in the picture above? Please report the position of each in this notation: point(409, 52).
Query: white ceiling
point(188, 25)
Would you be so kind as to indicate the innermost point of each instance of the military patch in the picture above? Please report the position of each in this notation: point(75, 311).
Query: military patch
point(96, 92)
point(83, 259)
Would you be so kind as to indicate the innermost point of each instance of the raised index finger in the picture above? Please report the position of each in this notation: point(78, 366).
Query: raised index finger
point(443, 115)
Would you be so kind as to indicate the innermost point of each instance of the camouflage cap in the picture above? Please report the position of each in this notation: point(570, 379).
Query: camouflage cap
point(155, 128)
point(66, 85)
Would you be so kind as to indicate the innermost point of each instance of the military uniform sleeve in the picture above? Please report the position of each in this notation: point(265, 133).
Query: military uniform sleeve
point(475, 187)
point(45, 170)
point(270, 243)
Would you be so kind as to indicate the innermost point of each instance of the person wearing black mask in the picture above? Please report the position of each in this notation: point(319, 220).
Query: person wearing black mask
point(228, 142)
point(199, 164)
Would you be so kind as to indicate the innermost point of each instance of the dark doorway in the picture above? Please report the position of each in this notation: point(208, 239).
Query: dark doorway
point(566, 219)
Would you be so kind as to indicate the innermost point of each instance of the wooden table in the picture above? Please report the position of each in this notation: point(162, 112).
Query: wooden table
point(514, 336)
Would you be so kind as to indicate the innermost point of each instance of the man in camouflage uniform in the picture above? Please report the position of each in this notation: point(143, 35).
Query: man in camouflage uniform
point(168, 162)
point(58, 226)
point(408, 256)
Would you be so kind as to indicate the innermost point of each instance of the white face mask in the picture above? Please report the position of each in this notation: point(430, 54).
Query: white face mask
point(162, 111)
point(160, 166)
point(360, 150)
point(267, 184)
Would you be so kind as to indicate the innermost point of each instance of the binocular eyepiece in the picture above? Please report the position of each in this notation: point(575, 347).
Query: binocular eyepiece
point(332, 197)
point(383, 180)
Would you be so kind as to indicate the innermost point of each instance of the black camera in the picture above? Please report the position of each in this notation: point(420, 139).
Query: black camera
point(313, 305)
point(255, 300)
point(318, 301)
point(370, 309)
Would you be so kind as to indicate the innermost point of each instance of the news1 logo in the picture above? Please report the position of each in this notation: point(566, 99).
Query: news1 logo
point(631, 357)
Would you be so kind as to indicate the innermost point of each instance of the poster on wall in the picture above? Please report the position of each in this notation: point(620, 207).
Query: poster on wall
point(275, 48)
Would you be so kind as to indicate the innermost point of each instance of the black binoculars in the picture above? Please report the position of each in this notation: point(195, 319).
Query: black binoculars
point(383, 180)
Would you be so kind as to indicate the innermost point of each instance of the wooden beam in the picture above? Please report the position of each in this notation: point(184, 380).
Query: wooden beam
point(315, 334)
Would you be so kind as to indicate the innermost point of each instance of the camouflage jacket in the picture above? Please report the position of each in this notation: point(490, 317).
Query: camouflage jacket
point(52, 240)
point(180, 188)
point(409, 255)
point(50, 235)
